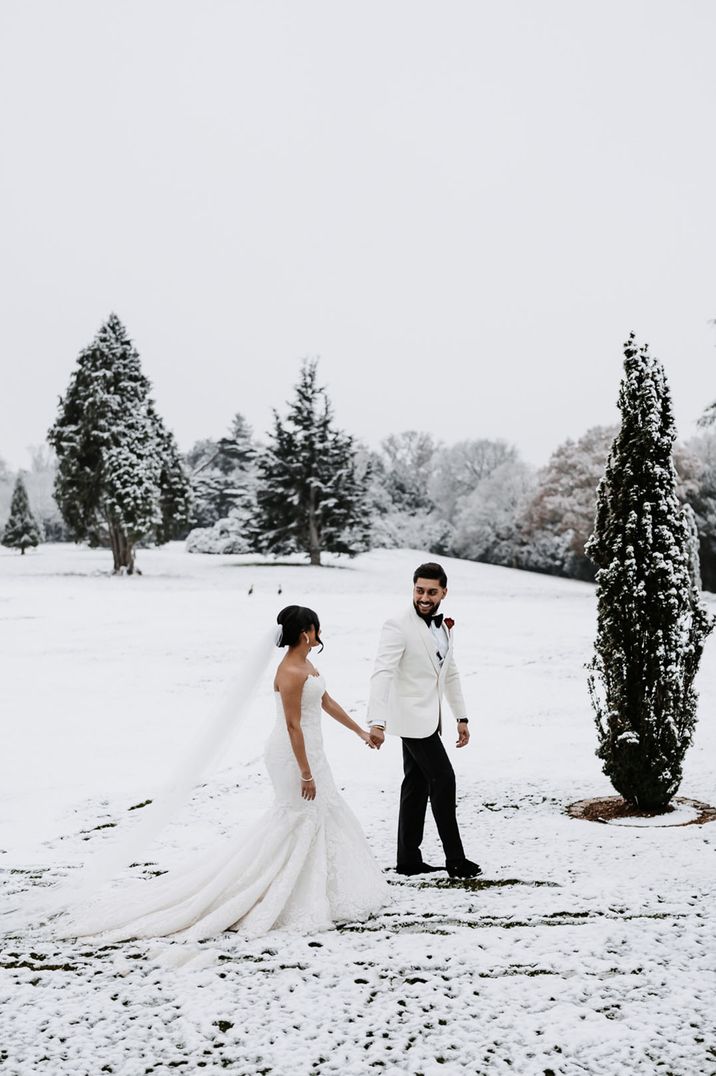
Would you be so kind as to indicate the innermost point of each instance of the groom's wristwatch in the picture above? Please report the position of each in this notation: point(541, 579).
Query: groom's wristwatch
point(463, 721)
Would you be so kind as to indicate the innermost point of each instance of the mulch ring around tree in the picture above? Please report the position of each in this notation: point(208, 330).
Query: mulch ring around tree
point(614, 810)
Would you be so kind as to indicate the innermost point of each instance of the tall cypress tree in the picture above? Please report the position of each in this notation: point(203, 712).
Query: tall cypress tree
point(21, 530)
point(310, 496)
point(651, 621)
point(119, 475)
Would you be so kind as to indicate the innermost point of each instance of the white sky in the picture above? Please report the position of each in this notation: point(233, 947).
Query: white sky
point(463, 207)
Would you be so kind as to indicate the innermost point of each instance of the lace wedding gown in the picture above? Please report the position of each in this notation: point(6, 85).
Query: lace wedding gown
point(305, 866)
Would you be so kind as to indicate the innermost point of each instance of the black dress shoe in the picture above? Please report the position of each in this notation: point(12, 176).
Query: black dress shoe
point(463, 868)
point(419, 868)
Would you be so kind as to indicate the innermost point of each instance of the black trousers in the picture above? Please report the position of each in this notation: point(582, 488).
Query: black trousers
point(428, 776)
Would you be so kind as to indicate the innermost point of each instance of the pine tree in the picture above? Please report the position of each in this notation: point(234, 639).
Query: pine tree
point(119, 476)
point(224, 482)
point(310, 496)
point(223, 475)
point(174, 487)
point(21, 530)
point(651, 621)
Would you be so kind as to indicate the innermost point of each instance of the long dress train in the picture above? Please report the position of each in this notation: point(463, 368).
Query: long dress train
point(305, 866)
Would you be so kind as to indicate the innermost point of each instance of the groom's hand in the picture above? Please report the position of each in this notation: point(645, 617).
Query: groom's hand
point(377, 736)
point(463, 734)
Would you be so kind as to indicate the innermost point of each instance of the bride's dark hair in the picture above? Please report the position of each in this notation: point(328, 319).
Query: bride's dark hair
point(295, 619)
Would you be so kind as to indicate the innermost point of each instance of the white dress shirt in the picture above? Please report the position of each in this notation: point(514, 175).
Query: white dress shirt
point(439, 634)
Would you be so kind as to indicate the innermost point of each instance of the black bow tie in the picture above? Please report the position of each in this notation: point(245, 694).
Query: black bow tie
point(436, 619)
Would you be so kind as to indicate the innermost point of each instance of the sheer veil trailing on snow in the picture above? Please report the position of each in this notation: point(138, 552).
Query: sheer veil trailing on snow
point(230, 714)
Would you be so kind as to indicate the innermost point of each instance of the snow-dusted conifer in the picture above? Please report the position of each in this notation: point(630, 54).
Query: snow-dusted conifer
point(311, 496)
point(174, 486)
point(119, 476)
point(223, 475)
point(651, 621)
point(224, 482)
point(21, 530)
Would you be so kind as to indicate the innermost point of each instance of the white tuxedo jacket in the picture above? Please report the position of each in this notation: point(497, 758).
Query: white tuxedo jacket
point(408, 682)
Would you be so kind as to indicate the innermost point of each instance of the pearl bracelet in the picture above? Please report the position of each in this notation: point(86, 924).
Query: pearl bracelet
point(306, 778)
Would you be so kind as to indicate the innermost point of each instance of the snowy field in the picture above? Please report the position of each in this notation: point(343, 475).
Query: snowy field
point(585, 948)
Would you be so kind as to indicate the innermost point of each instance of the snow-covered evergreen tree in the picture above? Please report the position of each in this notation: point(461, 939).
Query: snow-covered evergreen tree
point(7, 484)
point(224, 482)
point(39, 482)
point(21, 530)
point(651, 621)
point(174, 486)
point(223, 476)
point(311, 495)
point(119, 475)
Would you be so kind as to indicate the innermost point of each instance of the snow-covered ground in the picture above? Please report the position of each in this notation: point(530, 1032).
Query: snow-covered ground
point(585, 948)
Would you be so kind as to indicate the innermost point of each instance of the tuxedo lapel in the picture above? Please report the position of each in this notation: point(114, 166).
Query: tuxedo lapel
point(426, 637)
point(448, 655)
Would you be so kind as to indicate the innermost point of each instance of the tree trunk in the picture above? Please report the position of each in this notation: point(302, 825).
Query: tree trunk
point(314, 540)
point(22, 550)
point(122, 550)
point(113, 541)
point(127, 550)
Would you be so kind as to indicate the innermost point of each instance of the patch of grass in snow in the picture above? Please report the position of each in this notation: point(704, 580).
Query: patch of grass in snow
point(288, 564)
point(138, 806)
point(412, 926)
point(529, 970)
point(16, 964)
point(431, 923)
point(476, 884)
point(223, 1025)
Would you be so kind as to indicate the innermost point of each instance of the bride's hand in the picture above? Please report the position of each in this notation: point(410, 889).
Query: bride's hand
point(308, 789)
point(365, 737)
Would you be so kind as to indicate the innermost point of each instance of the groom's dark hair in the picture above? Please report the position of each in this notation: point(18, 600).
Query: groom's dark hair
point(431, 570)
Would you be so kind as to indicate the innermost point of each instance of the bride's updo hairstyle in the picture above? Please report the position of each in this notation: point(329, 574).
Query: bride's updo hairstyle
point(294, 620)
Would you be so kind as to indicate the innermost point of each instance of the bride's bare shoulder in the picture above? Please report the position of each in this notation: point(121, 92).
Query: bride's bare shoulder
point(289, 679)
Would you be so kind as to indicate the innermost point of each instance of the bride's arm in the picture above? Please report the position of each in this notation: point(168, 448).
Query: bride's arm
point(291, 691)
point(337, 712)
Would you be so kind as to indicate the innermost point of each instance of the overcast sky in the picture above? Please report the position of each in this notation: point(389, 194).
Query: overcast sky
point(461, 206)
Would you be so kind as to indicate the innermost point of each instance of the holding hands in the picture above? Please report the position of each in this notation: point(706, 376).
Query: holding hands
point(376, 736)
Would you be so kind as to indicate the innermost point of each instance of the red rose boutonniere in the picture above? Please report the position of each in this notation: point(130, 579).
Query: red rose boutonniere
point(449, 623)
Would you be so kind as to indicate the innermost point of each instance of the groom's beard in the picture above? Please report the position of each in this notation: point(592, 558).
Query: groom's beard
point(425, 615)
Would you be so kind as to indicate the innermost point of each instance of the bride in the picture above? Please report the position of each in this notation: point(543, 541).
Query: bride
point(305, 866)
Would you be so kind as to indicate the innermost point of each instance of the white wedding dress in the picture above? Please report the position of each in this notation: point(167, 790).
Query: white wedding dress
point(305, 866)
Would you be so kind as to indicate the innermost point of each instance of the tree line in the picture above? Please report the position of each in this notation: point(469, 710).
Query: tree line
point(623, 505)
point(115, 477)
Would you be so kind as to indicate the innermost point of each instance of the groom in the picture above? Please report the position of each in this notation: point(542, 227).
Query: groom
point(414, 668)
